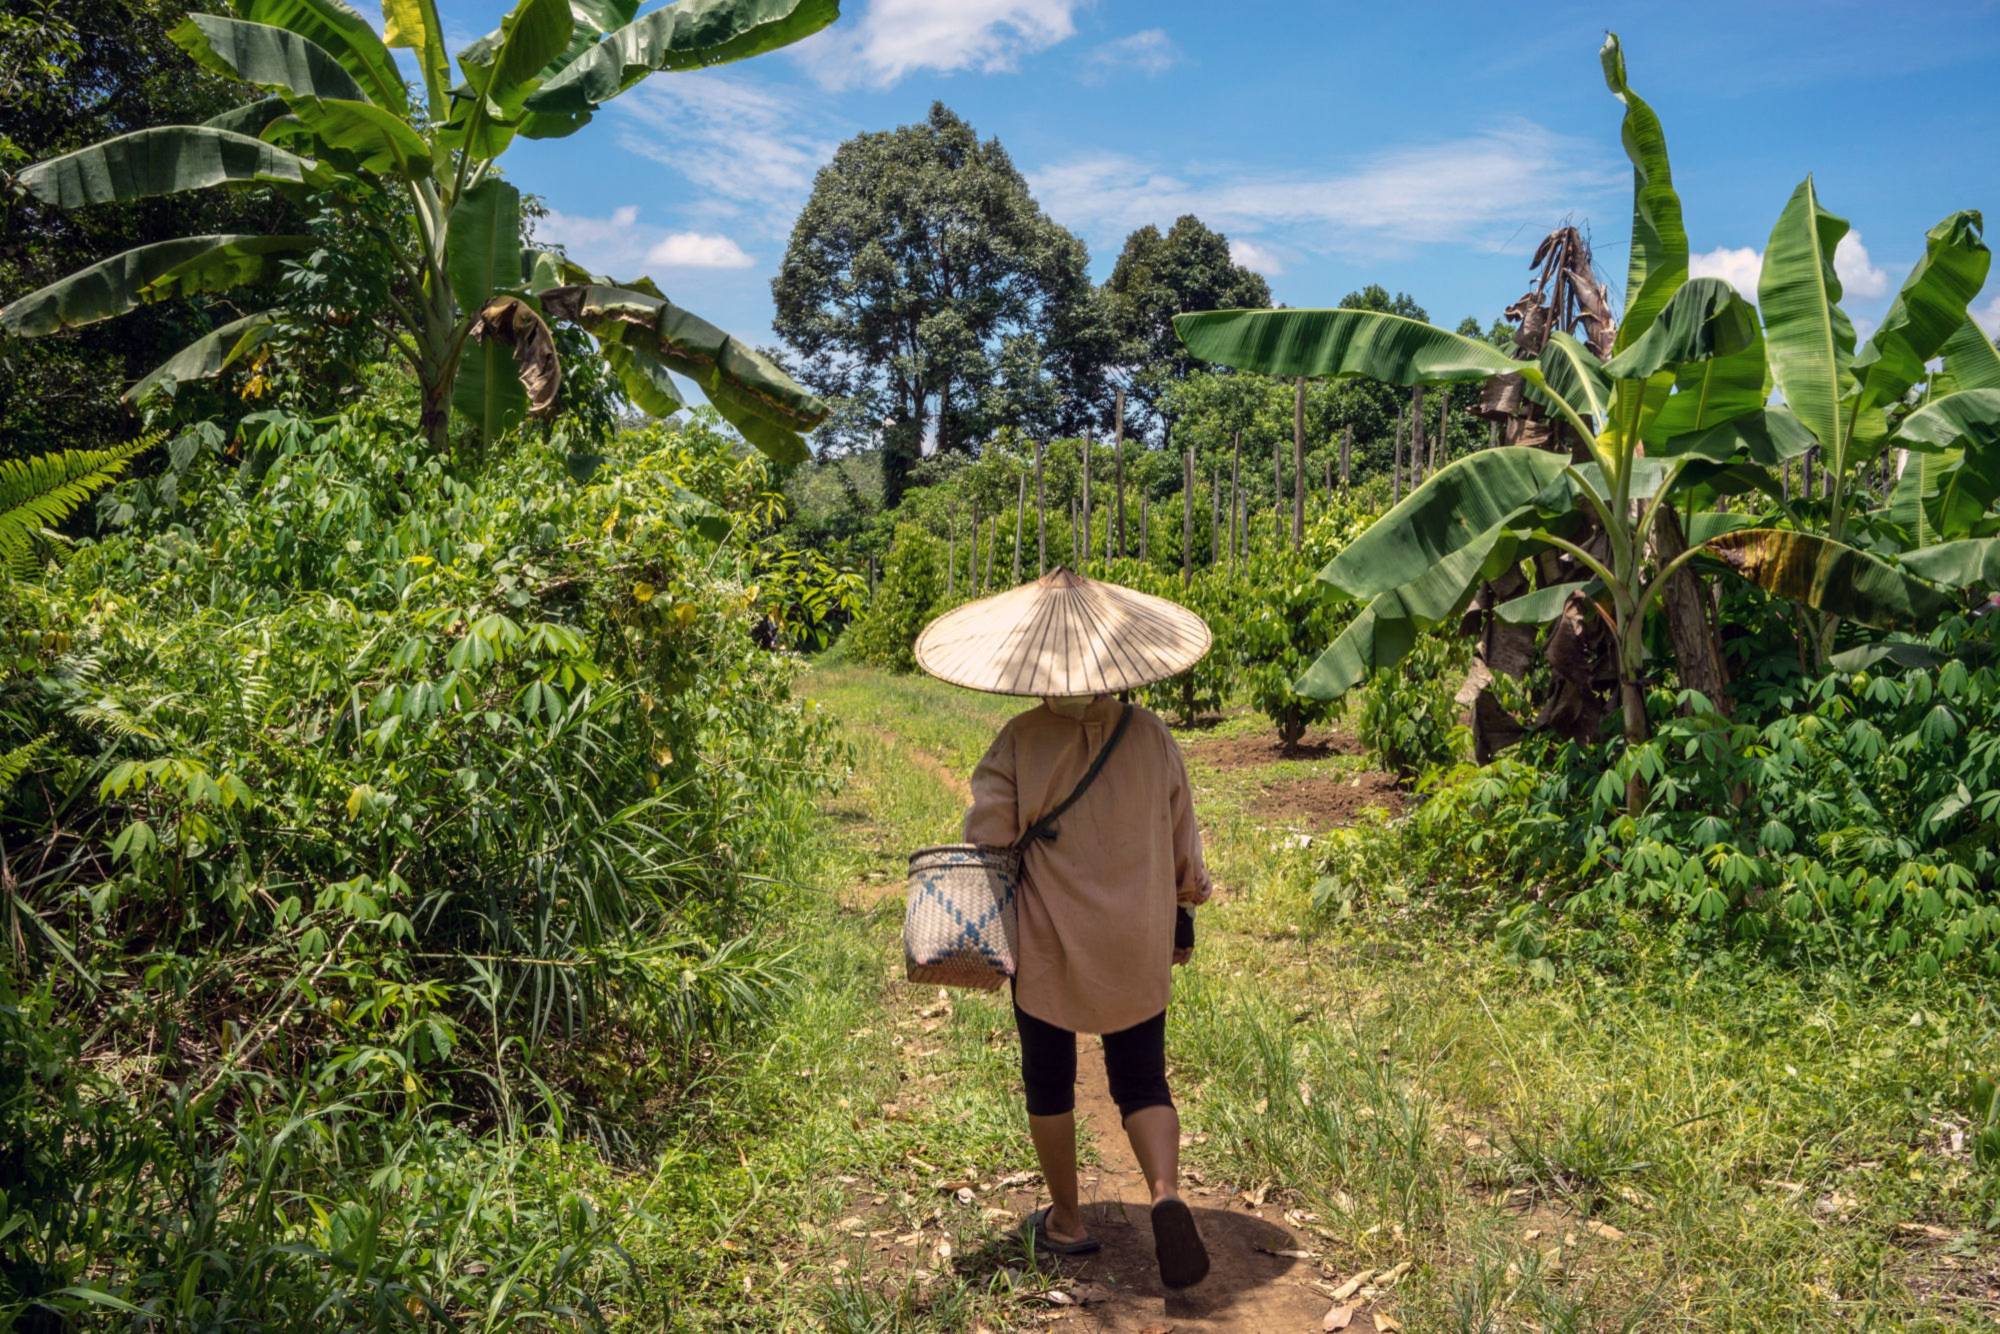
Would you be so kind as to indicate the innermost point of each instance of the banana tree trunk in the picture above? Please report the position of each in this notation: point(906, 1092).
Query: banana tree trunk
point(1696, 652)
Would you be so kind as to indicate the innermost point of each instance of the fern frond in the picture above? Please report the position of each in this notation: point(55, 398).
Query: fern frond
point(15, 762)
point(40, 492)
point(108, 715)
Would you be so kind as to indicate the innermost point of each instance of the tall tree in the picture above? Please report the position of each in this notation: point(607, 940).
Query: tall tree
point(1158, 277)
point(923, 278)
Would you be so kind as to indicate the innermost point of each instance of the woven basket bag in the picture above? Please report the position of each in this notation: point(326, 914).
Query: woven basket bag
point(959, 919)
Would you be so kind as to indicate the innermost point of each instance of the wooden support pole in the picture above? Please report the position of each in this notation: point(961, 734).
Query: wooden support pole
point(1145, 525)
point(1020, 509)
point(1298, 462)
point(992, 542)
point(950, 558)
point(1215, 518)
point(1118, 464)
point(1082, 564)
point(1346, 455)
point(1041, 516)
point(1416, 435)
point(1187, 517)
point(972, 564)
point(1441, 447)
point(1396, 463)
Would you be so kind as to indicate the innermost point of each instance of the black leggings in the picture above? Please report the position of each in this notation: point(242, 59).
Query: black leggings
point(1135, 1058)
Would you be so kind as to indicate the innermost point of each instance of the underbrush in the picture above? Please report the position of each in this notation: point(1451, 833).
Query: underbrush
point(1850, 818)
point(404, 859)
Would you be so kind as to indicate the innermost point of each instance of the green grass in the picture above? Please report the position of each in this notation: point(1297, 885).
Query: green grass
point(1735, 1148)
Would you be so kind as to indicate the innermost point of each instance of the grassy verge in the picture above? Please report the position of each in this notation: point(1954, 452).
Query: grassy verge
point(1733, 1148)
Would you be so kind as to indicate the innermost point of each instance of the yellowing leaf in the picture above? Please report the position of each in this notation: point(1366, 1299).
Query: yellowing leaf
point(643, 591)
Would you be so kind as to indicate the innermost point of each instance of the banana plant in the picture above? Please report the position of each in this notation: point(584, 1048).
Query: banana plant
point(1681, 407)
point(470, 310)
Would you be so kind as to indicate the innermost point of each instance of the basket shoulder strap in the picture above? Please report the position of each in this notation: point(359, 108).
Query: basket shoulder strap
point(1046, 826)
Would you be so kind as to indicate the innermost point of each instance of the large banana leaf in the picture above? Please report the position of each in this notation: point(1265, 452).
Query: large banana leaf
point(206, 357)
point(1807, 336)
point(746, 387)
point(1970, 418)
point(414, 26)
point(1964, 494)
point(1766, 437)
point(1830, 576)
point(505, 70)
point(163, 161)
point(250, 118)
point(345, 35)
point(359, 134)
point(1572, 372)
point(1971, 358)
point(1386, 628)
point(645, 378)
point(263, 56)
point(483, 243)
point(1659, 260)
point(1711, 392)
point(1460, 505)
point(1545, 604)
point(111, 287)
point(1928, 310)
point(1379, 636)
point(1912, 502)
point(1390, 348)
point(1968, 564)
point(689, 35)
point(488, 392)
point(1705, 319)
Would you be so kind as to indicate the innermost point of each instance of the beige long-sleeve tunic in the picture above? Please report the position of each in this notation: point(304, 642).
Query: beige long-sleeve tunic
point(1096, 906)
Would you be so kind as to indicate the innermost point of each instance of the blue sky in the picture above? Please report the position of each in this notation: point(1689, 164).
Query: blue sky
point(1423, 146)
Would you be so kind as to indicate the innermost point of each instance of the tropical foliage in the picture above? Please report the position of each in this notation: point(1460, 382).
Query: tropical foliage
point(471, 308)
point(1676, 416)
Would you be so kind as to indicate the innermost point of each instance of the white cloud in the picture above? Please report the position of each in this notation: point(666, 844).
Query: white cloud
point(698, 250)
point(1487, 190)
point(1149, 51)
point(1253, 256)
point(751, 150)
point(1740, 267)
point(893, 38)
point(622, 246)
point(1988, 316)
point(1858, 277)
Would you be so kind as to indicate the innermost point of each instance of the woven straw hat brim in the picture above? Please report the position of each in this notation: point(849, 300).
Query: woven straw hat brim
point(1063, 635)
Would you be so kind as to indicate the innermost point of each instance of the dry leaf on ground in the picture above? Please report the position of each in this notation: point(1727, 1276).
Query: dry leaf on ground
point(1339, 1317)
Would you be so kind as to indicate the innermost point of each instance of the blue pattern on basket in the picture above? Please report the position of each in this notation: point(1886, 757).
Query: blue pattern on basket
point(973, 932)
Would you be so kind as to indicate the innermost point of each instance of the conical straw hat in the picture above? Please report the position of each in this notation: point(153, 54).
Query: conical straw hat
point(1063, 635)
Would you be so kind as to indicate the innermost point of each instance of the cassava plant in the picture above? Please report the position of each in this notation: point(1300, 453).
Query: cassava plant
point(1678, 413)
point(470, 309)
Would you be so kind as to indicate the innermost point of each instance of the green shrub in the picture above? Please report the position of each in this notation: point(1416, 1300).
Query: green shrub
point(398, 827)
point(1409, 716)
point(1279, 618)
point(1857, 821)
point(905, 599)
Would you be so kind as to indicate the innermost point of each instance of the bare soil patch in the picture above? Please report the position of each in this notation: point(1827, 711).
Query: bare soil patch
point(1250, 752)
point(1324, 801)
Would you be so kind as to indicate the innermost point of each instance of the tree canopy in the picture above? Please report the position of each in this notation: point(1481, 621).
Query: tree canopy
point(924, 283)
point(1159, 276)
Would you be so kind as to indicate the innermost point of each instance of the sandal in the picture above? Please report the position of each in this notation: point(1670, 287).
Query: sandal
point(1037, 1228)
point(1177, 1246)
